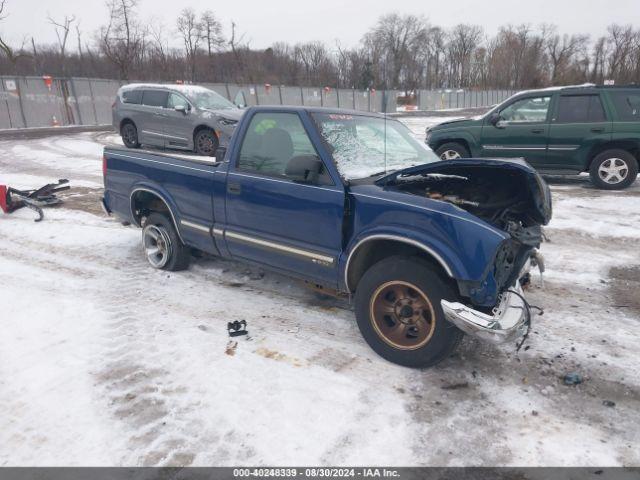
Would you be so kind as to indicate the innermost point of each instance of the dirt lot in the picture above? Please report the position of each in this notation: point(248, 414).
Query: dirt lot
point(105, 361)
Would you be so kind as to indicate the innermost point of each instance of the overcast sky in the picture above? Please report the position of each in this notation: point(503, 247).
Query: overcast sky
point(265, 22)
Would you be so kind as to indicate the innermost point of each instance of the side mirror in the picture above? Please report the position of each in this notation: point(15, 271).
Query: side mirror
point(181, 108)
point(221, 152)
point(494, 119)
point(304, 168)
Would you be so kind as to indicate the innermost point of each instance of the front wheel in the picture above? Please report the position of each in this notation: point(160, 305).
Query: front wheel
point(206, 143)
point(162, 245)
point(399, 314)
point(613, 169)
point(452, 151)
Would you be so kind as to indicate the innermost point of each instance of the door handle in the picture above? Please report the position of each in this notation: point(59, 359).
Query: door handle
point(234, 188)
point(537, 130)
point(597, 129)
point(162, 115)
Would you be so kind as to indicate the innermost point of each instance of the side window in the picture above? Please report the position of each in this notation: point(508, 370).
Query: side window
point(527, 110)
point(627, 105)
point(154, 98)
point(580, 109)
point(175, 100)
point(271, 141)
point(132, 96)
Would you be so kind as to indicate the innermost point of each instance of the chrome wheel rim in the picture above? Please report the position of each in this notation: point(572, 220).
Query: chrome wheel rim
point(402, 315)
point(613, 170)
point(450, 155)
point(157, 246)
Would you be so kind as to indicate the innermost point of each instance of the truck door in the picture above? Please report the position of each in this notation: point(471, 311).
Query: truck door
point(520, 132)
point(274, 219)
point(579, 123)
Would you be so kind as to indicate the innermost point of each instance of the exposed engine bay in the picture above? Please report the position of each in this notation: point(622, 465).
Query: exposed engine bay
point(498, 195)
point(511, 199)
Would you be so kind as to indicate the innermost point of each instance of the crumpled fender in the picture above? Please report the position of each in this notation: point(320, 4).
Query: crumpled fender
point(452, 252)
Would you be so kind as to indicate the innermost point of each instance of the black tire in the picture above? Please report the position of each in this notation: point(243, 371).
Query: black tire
point(205, 143)
point(606, 163)
point(432, 339)
point(129, 134)
point(448, 151)
point(175, 255)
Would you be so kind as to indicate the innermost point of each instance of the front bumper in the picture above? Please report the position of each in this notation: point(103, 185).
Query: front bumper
point(508, 321)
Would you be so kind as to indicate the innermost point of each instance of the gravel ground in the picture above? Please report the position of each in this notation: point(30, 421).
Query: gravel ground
point(105, 361)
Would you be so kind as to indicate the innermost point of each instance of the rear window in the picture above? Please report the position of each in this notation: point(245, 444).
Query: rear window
point(580, 109)
point(627, 105)
point(154, 98)
point(132, 96)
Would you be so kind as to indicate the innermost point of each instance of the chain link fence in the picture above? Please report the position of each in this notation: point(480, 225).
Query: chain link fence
point(27, 102)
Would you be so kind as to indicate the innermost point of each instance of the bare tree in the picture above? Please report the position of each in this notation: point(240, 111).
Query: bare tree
point(393, 41)
point(211, 32)
point(12, 54)
point(238, 49)
point(62, 29)
point(121, 40)
point(79, 40)
point(463, 42)
point(622, 41)
point(191, 31)
point(563, 52)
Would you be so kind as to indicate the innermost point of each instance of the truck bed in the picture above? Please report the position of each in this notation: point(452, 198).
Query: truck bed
point(170, 154)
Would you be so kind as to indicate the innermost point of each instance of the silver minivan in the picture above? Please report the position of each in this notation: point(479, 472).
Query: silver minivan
point(174, 116)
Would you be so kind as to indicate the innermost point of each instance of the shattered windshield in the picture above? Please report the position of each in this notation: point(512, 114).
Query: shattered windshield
point(365, 146)
point(208, 100)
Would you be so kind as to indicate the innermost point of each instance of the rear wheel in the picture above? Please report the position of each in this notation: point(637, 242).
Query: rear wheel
point(206, 143)
point(613, 169)
point(399, 313)
point(162, 245)
point(452, 151)
point(129, 134)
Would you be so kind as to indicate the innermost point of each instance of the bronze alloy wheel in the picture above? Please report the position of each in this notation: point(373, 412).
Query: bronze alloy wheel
point(402, 315)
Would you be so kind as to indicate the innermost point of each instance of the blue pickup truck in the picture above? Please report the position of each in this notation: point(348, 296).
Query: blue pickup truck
point(352, 203)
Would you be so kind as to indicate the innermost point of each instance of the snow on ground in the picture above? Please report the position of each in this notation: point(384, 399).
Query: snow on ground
point(105, 361)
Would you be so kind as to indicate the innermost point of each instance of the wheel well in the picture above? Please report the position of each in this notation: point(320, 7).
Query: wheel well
point(371, 252)
point(124, 122)
point(461, 141)
point(144, 202)
point(628, 145)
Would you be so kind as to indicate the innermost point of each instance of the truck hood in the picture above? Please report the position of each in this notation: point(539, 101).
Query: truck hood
point(490, 189)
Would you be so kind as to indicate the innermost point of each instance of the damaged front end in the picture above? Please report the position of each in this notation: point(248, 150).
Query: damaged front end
point(510, 196)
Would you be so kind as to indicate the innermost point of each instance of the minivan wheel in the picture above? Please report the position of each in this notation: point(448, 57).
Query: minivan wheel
point(452, 151)
point(398, 311)
point(206, 143)
point(162, 245)
point(613, 169)
point(129, 134)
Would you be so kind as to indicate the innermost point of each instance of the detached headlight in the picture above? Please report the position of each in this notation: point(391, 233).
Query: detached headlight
point(228, 122)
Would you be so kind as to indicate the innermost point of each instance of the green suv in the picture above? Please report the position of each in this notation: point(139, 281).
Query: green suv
point(563, 130)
